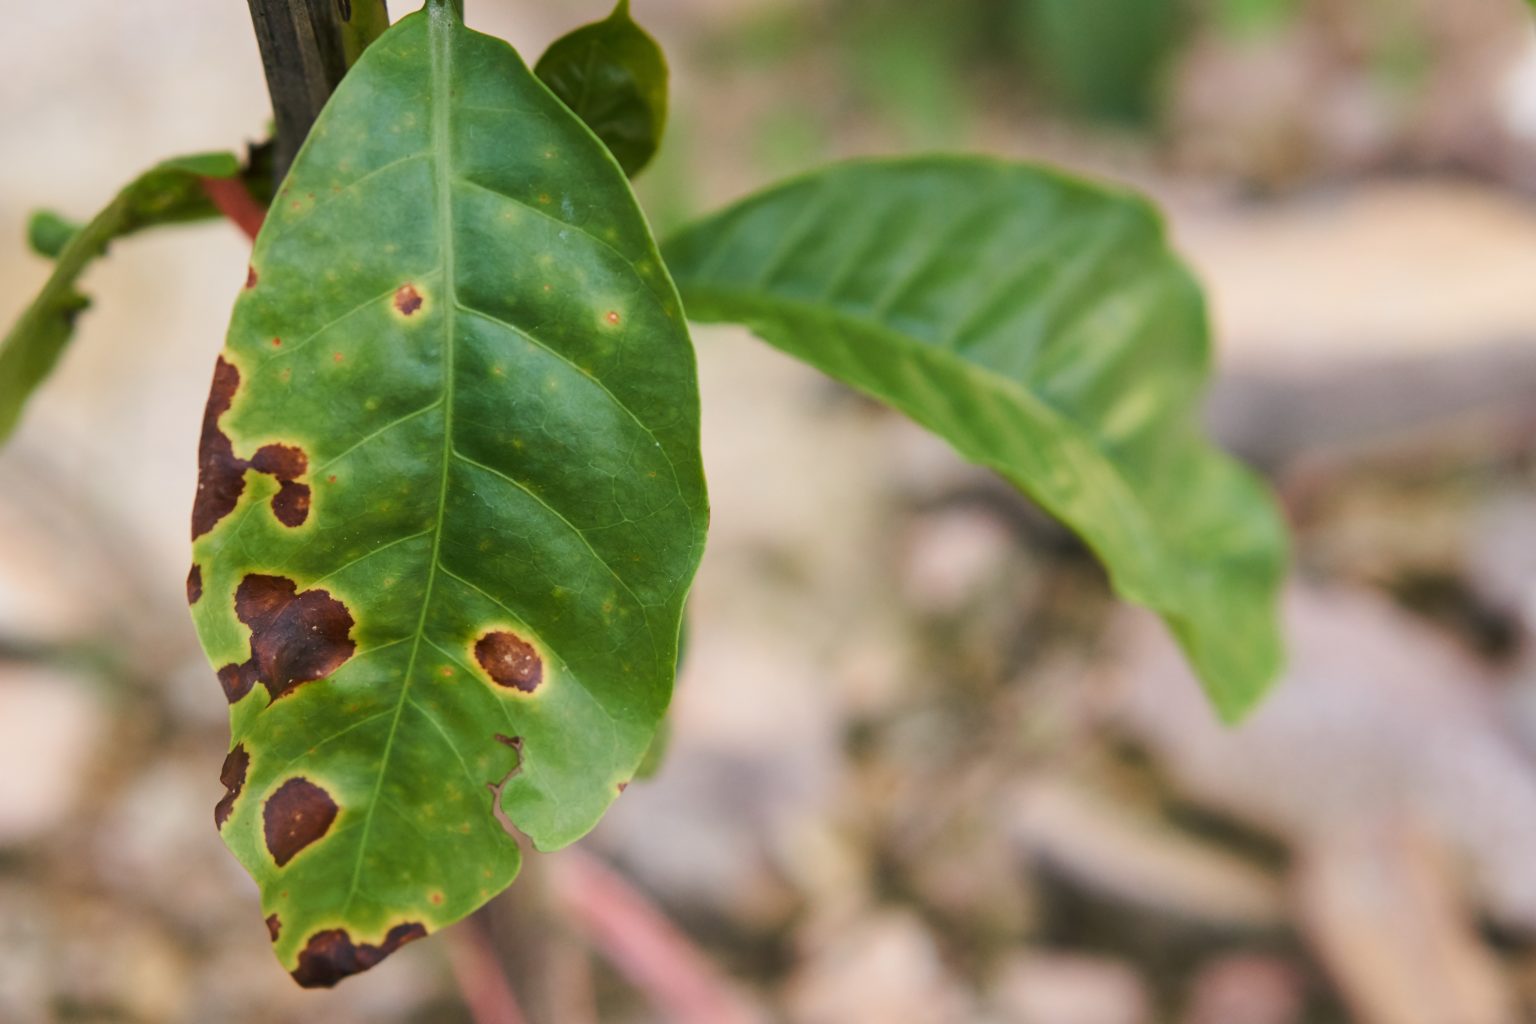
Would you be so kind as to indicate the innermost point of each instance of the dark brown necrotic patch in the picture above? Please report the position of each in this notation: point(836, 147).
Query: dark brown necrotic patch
point(330, 955)
point(510, 660)
point(291, 503)
point(298, 814)
point(407, 299)
point(274, 926)
point(221, 473)
point(283, 461)
point(296, 638)
point(194, 584)
point(235, 682)
point(232, 775)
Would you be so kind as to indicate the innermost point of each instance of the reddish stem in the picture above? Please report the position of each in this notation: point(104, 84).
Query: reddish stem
point(633, 936)
point(234, 201)
point(485, 988)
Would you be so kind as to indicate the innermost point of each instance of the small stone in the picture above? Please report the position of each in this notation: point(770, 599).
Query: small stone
point(886, 969)
point(1051, 988)
point(1247, 988)
point(50, 729)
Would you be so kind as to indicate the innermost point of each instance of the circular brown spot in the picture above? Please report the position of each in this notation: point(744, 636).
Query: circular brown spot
point(613, 317)
point(194, 584)
point(510, 660)
point(250, 277)
point(298, 814)
point(407, 299)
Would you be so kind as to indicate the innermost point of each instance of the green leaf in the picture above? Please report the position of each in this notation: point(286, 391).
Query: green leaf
point(614, 77)
point(1106, 60)
point(48, 232)
point(1042, 327)
point(167, 193)
point(450, 501)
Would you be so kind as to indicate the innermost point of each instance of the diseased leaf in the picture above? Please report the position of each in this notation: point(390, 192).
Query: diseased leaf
point(450, 500)
point(1042, 326)
point(167, 193)
point(614, 77)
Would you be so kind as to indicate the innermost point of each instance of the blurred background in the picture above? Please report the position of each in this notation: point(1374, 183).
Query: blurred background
point(923, 768)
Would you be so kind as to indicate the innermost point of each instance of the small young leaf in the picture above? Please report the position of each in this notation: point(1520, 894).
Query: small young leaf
point(1042, 326)
point(450, 501)
point(614, 77)
point(167, 193)
point(49, 232)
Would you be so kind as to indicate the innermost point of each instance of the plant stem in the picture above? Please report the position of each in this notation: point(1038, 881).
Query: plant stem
point(306, 47)
point(642, 944)
point(233, 199)
point(486, 990)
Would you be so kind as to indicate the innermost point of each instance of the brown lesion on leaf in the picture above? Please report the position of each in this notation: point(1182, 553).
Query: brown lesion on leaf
point(251, 277)
point(274, 926)
point(235, 682)
point(296, 637)
point(331, 955)
point(221, 473)
point(291, 503)
point(285, 463)
point(510, 660)
point(232, 775)
point(194, 583)
point(296, 815)
point(407, 299)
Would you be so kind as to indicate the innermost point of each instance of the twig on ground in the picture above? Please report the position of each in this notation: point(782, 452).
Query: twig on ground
point(483, 983)
point(638, 940)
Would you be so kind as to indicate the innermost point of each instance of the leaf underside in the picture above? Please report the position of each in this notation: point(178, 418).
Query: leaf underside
point(1041, 325)
point(167, 193)
point(450, 500)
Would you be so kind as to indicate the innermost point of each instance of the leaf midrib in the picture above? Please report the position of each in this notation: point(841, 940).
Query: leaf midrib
point(440, 28)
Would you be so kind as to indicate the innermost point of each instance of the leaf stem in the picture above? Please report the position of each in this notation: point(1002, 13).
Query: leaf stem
point(306, 48)
point(233, 199)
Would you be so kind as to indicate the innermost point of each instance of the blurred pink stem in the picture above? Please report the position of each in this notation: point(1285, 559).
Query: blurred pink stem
point(632, 935)
point(482, 982)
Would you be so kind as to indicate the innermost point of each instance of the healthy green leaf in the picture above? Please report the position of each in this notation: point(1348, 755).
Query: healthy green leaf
point(1042, 327)
point(450, 500)
point(167, 193)
point(614, 77)
point(48, 232)
point(362, 21)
